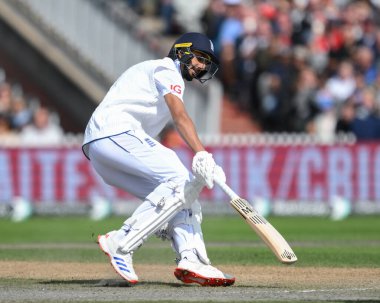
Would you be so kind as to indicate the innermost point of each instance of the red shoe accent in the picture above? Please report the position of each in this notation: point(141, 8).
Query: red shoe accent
point(187, 276)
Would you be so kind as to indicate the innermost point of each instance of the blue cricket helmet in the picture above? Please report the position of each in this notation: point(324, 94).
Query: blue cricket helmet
point(186, 44)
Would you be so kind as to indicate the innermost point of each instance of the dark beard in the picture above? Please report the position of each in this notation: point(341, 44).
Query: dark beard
point(186, 73)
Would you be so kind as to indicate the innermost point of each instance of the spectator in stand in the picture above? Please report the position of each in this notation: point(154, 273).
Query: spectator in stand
point(318, 44)
point(366, 124)
point(301, 22)
point(342, 85)
point(350, 42)
point(167, 12)
point(369, 34)
point(42, 131)
point(283, 30)
point(304, 104)
point(376, 46)
point(376, 88)
point(282, 79)
point(212, 19)
point(269, 88)
point(7, 136)
point(365, 64)
point(136, 5)
point(246, 67)
point(360, 86)
point(231, 29)
point(5, 98)
point(255, 56)
point(266, 46)
point(189, 14)
point(336, 42)
point(21, 114)
point(325, 121)
point(345, 117)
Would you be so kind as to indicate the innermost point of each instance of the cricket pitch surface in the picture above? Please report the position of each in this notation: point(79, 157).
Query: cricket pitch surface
point(35, 281)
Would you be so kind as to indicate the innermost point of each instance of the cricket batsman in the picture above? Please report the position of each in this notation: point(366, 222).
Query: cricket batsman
point(120, 143)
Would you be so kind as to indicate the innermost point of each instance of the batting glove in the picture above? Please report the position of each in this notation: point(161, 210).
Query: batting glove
point(205, 168)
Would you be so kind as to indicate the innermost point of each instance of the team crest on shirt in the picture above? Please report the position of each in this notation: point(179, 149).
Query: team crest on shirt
point(176, 88)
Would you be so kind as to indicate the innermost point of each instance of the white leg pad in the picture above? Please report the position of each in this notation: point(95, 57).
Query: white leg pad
point(160, 207)
point(186, 234)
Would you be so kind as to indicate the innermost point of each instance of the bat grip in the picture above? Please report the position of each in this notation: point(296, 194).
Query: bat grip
point(226, 189)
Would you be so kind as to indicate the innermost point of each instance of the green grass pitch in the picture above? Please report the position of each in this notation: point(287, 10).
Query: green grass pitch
point(353, 242)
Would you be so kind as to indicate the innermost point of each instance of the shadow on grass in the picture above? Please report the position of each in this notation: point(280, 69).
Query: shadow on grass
point(122, 283)
point(111, 283)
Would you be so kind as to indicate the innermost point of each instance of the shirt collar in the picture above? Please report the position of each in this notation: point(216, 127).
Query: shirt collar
point(177, 65)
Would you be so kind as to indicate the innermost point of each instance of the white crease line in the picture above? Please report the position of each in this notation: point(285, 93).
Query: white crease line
point(318, 290)
point(336, 289)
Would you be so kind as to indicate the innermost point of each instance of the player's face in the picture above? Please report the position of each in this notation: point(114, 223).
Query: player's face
point(198, 63)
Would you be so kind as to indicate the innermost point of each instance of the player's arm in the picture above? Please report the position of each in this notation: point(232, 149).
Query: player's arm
point(203, 166)
point(183, 122)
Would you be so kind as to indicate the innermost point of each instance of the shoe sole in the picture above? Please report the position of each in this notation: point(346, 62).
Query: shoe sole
point(110, 259)
point(188, 277)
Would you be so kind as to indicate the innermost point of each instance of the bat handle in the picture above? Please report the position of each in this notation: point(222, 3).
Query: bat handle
point(226, 189)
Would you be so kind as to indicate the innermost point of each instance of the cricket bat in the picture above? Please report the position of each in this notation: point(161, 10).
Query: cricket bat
point(261, 226)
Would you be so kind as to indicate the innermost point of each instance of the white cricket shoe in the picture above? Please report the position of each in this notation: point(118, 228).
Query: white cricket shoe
point(121, 262)
point(205, 275)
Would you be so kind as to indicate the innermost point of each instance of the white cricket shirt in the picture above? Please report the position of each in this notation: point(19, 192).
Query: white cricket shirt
point(136, 101)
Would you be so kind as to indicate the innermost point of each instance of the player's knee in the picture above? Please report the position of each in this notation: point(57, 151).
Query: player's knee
point(183, 192)
point(166, 193)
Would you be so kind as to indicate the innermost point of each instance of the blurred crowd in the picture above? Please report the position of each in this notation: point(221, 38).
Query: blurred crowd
point(23, 120)
point(297, 66)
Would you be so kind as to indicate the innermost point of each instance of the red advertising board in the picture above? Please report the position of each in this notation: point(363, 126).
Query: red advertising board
point(311, 172)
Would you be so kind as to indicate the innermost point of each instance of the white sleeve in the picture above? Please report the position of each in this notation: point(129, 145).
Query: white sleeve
point(167, 82)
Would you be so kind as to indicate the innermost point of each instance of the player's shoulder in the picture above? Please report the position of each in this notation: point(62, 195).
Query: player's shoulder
point(166, 63)
point(167, 67)
point(157, 64)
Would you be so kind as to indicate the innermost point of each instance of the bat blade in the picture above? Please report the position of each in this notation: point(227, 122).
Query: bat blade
point(272, 238)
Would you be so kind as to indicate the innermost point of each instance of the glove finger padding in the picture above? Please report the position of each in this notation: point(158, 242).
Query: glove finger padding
point(203, 167)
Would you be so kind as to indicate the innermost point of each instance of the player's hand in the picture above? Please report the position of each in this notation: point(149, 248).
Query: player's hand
point(205, 169)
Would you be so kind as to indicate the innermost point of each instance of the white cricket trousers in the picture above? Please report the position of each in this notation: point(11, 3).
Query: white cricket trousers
point(138, 164)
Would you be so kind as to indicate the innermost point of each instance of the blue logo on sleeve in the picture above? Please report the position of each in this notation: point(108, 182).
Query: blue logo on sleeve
point(150, 142)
